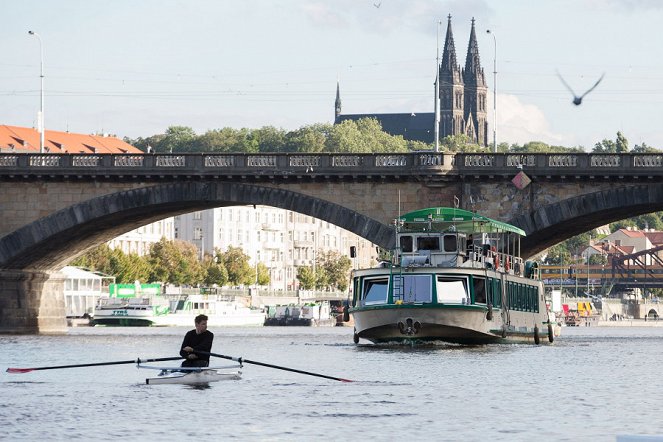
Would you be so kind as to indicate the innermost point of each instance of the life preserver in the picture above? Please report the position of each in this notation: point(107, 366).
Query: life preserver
point(497, 260)
point(507, 264)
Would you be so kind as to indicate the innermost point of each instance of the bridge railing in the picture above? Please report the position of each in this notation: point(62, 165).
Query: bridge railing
point(324, 164)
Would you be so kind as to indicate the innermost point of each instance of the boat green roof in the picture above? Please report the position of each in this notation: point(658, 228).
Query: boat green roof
point(443, 218)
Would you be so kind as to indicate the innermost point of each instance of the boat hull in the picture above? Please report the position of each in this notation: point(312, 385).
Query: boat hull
point(462, 324)
point(204, 376)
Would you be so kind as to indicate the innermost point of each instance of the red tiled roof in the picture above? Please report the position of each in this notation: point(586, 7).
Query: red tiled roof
point(25, 139)
point(633, 233)
point(656, 238)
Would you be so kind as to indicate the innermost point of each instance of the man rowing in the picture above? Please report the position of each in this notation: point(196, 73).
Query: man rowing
point(198, 339)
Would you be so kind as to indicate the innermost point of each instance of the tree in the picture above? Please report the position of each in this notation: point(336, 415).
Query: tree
point(333, 270)
point(263, 274)
point(306, 278)
point(621, 144)
point(308, 139)
point(215, 272)
point(643, 148)
point(175, 262)
point(605, 146)
point(177, 139)
point(237, 264)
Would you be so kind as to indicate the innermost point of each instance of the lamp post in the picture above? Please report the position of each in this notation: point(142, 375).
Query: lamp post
point(40, 119)
point(494, 92)
point(437, 90)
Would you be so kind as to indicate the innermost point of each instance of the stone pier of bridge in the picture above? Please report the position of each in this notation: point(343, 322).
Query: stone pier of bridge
point(32, 302)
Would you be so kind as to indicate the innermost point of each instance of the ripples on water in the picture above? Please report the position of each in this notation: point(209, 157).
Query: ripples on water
point(592, 384)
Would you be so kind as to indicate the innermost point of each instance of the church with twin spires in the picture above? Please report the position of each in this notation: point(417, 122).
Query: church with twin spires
point(463, 107)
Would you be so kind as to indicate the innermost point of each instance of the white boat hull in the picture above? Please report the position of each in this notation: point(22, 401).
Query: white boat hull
point(455, 324)
point(204, 376)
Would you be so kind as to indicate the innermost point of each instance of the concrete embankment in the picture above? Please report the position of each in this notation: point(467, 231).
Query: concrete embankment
point(630, 323)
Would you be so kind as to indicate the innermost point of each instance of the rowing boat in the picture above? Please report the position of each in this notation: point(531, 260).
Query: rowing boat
point(192, 375)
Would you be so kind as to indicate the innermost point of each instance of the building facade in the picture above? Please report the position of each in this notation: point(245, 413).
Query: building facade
point(462, 99)
point(280, 239)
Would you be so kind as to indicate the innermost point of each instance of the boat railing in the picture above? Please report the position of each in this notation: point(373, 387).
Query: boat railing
point(503, 262)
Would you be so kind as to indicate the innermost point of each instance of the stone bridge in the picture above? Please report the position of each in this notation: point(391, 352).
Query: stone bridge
point(57, 206)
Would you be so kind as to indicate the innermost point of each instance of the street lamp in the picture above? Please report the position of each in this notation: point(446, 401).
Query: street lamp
point(488, 31)
point(40, 119)
point(437, 90)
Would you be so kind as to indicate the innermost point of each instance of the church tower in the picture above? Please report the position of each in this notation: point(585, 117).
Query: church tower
point(337, 105)
point(452, 118)
point(475, 112)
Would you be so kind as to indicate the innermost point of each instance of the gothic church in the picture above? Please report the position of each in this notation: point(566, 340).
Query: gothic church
point(463, 107)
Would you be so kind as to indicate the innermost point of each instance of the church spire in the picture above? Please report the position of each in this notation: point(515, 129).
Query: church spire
point(472, 61)
point(337, 105)
point(449, 62)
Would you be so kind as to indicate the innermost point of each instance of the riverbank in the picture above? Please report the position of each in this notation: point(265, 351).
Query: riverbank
point(629, 323)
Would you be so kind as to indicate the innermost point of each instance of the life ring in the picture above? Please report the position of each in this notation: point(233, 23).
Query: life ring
point(496, 257)
point(507, 264)
point(537, 338)
point(551, 336)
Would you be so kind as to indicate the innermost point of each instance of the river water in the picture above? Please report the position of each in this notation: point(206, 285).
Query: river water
point(594, 383)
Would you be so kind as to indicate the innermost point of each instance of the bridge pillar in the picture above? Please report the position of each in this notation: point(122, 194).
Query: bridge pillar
point(32, 302)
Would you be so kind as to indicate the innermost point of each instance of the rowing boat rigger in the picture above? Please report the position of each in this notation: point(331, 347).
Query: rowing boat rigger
point(192, 375)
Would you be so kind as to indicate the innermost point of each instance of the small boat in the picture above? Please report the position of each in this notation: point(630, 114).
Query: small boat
point(455, 276)
point(192, 375)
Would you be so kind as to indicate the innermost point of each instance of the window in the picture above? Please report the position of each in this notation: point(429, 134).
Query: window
point(413, 288)
point(406, 243)
point(450, 243)
point(452, 290)
point(428, 243)
point(479, 290)
point(375, 291)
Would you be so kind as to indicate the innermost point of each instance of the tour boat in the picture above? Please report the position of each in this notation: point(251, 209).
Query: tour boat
point(129, 312)
point(192, 375)
point(161, 311)
point(455, 276)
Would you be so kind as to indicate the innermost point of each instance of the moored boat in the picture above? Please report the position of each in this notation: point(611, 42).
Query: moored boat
point(455, 276)
point(128, 312)
point(222, 311)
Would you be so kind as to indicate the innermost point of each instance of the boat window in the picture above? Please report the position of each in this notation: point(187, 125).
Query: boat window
point(375, 291)
point(479, 290)
point(406, 243)
point(428, 243)
point(452, 290)
point(413, 288)
point(450, 243)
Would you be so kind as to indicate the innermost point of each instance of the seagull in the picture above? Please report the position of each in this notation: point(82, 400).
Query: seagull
point(377, 5)
point(577, 100)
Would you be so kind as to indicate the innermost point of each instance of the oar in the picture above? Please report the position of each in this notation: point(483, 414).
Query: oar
point(294, 370)
point(133, 361)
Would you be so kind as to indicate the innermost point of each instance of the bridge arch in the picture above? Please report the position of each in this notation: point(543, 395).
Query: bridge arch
point(48, 243)
point(553, 223)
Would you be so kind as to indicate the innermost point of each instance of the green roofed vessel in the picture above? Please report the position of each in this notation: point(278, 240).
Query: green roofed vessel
point(454, 276)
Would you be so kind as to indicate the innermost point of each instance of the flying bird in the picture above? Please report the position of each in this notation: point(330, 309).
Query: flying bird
point(378, 4)
point(577, 100)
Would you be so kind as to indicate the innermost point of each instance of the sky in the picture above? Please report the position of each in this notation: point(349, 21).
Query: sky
point(135, 67)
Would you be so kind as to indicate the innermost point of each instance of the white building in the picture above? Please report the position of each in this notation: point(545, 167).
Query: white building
point(282, 240)
point(140, 240)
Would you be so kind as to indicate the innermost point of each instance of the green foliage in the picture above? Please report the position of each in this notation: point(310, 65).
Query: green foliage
point(236, 262)
point(263, 274)
point(306, 277)
point(333, 270)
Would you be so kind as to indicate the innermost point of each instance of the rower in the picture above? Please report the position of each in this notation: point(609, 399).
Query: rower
point(198, 339)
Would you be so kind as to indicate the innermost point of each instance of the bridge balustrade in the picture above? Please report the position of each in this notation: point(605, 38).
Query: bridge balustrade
point(425, 163)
